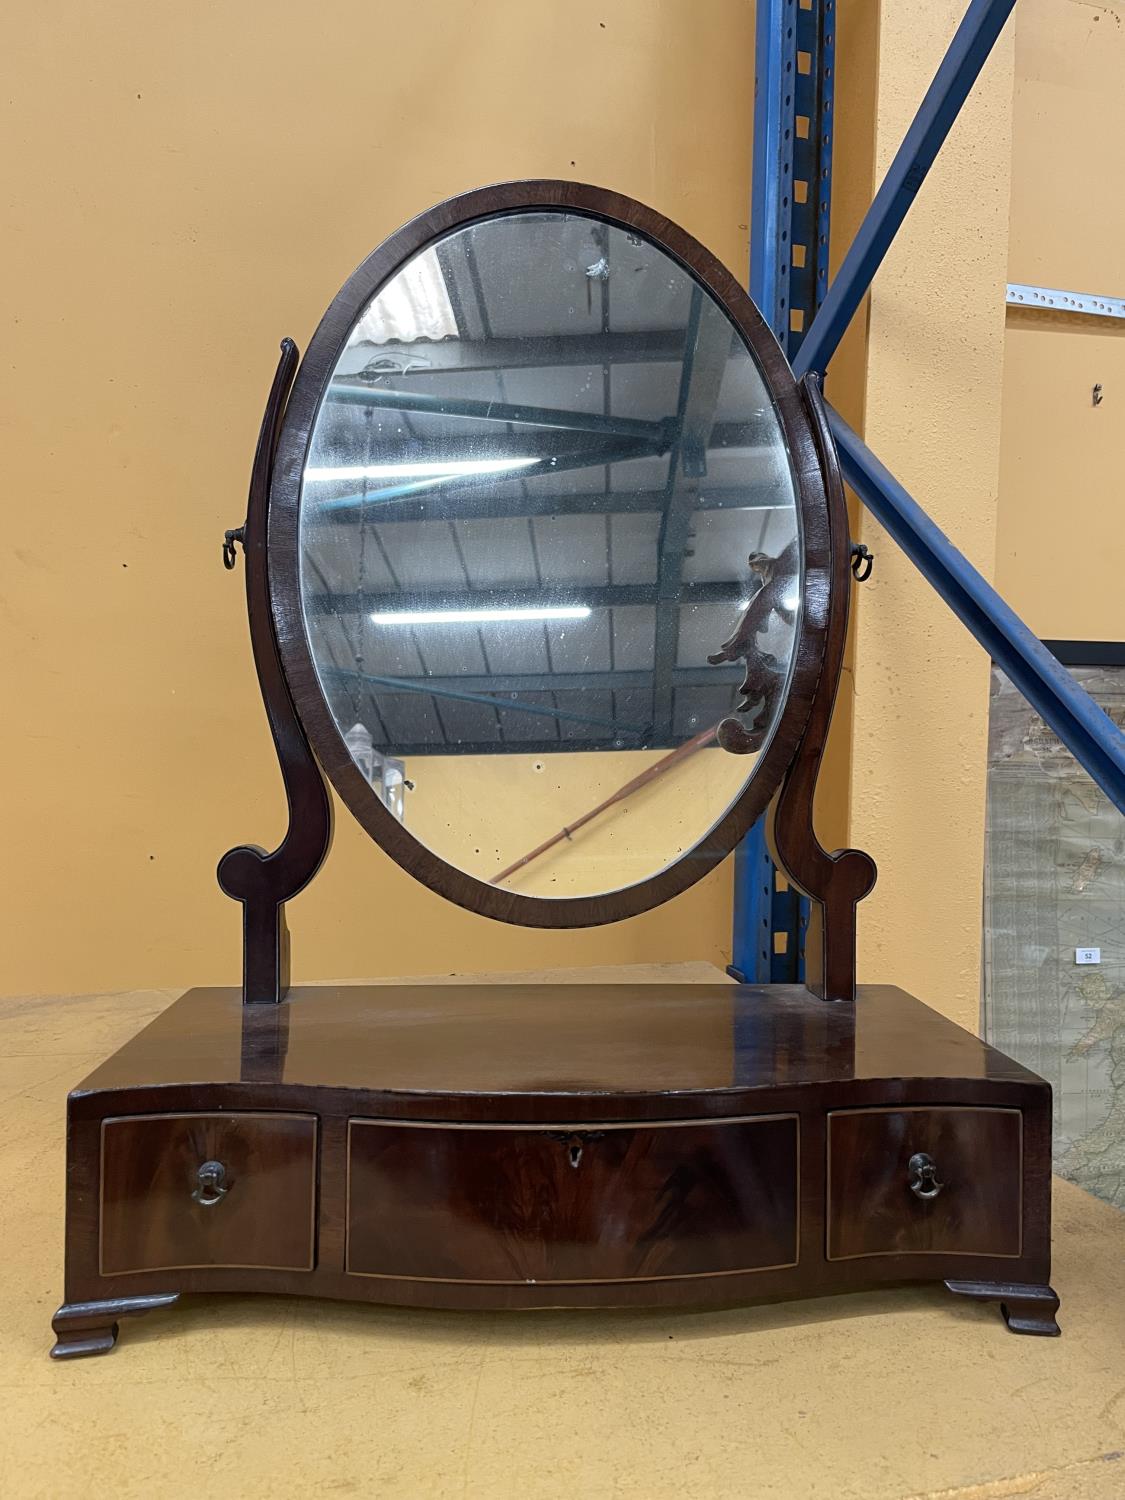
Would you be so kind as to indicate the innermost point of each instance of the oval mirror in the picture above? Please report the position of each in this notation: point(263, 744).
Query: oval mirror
point(538, 475)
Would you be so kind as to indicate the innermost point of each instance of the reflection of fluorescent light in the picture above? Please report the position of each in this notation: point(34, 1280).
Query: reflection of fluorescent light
point(477, 616)
point(791, 601)
point(404, 471)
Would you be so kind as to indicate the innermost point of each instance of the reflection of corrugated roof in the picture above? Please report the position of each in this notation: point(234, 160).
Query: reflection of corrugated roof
point(415, 305)
point(649, 468)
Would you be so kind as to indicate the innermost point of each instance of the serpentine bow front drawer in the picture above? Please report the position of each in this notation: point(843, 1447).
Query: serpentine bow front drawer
point(223, 1189)
point(932, 1179)
point(571, 1203)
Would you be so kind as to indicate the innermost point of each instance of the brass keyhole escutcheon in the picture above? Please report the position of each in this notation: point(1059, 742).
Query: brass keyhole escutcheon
point(575, 1143)
point(212, 1184)
point(923, 1179)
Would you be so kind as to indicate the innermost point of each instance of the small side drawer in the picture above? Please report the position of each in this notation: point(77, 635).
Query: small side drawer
point(965, 1200)
point(190, 1190)
point(572, 1203)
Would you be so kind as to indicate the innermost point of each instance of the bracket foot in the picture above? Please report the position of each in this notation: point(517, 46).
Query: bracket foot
point(1025, 1308)
point(83, 1328)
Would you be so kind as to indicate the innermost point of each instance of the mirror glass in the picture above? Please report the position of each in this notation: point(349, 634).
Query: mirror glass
point(548, 534)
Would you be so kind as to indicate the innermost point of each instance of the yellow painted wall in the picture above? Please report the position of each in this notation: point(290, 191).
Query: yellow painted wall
point(1060, 558)
point(182, 185)
point(853, 180)
point(483, 813)
point(933, 412)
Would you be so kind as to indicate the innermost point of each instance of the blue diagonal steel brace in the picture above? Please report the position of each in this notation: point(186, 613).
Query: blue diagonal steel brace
point(1090, 735)
point(982, 24)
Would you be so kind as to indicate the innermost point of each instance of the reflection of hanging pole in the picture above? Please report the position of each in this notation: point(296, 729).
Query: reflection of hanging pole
point(653, 773)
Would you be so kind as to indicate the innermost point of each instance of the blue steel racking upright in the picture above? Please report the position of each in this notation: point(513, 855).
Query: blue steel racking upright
point(789, 215)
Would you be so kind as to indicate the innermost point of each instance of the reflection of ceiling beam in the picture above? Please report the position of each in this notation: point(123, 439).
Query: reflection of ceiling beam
point(449, 486)
point(594, 596)
point(544, 351)
point(543, 682)
point(406, 749)
point(459, 693)
point(349, 443)
point(485, 504)
point(552, 454)
point(423, 403)
point(706, 353)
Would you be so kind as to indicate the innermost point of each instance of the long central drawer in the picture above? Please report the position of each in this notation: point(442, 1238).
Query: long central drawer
point(571, 1203)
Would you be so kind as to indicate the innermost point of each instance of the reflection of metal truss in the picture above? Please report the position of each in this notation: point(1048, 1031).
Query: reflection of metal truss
point(544, 441)
point(706, 351)
point(552, 682)
point(686, 437)
point(507, 694)
point(411, 450)
point(659, 434)
point(553, 454)
point(449, 688)
point(485, 503)
point(576, 745)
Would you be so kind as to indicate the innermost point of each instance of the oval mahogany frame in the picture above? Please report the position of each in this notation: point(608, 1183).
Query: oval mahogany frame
point(283, 557)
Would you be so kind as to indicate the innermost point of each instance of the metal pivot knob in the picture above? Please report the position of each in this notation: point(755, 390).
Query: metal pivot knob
point(862, 561)
point(923, 1176)
point(235, 534)
point(212, 1184)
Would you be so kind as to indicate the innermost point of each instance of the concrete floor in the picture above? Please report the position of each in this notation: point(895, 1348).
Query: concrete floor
point(877, 1396)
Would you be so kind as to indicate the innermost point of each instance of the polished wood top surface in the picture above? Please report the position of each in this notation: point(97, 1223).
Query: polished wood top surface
point(549, 1039)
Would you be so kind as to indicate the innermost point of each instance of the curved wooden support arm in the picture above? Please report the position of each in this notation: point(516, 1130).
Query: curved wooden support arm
point(263, 881)
point(835, 883)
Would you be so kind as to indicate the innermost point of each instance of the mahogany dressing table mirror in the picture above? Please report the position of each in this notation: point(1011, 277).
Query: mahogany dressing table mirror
point(547, 568)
